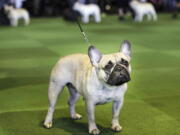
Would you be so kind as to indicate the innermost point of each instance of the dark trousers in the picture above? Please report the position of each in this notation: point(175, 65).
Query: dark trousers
point(3, 18)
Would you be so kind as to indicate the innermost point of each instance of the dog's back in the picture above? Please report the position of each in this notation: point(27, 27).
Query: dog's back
point(71, 68)
point(21, 13)
point(141, 5)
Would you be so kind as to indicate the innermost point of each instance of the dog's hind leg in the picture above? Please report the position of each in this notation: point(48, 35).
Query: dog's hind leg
point(97, 16)
point(154, 16)
point(74, 96)
point(27, 20)
point(149, 17)
point(55, 88)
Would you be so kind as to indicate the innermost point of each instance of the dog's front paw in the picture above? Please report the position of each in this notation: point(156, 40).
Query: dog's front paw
point(48, 124)
point(95, 131)
point(116, 128)
point(76, 116)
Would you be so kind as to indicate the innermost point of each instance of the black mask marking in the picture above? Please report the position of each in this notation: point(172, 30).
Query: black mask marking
point(108, 67)
point(124, 62)
point(119, 76)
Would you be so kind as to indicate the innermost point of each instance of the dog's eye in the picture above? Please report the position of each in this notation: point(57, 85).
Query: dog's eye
point(124, 62)
point(109, 65)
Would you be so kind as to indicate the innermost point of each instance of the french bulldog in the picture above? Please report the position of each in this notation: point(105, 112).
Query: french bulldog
point(98, 78)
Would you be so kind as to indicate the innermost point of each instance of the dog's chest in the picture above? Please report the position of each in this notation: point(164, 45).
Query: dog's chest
point(106, 95)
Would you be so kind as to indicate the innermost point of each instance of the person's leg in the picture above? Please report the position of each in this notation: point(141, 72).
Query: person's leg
point(177, 7)
point(174, 9)
point(121, 14)
point(120, 4)
point(3, 18)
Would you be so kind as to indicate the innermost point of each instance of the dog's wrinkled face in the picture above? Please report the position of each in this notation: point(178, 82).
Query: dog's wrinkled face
point(113, 69)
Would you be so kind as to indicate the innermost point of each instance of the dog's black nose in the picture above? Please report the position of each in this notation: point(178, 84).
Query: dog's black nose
point(118, 68)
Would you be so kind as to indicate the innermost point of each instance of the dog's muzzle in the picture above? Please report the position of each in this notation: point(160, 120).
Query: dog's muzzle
point(119, 76)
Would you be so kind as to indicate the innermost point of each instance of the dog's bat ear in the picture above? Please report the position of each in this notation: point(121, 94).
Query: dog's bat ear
point(94, 55)
point(126, 48)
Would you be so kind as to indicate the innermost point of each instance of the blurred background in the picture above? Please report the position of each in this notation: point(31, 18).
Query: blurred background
point(64, 8)
point(34, 34)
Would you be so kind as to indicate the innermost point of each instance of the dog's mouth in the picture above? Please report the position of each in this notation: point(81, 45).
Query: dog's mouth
point(119, 81)
point(119, 76)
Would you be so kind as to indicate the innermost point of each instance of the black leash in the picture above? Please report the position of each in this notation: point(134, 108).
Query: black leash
point(83, 33)
point(79, 25)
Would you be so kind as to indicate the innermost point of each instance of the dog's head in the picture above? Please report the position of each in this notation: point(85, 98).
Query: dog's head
point(113, 69)
point(8, 8)
point(77, 5)
point(134, 3)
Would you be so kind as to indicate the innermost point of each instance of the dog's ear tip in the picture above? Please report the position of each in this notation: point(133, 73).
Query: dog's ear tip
point(94, 54)
point(127, 42)
point(91, 47)
point(126, 47)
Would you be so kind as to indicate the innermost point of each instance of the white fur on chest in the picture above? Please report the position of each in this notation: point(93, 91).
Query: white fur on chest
point(106, 95)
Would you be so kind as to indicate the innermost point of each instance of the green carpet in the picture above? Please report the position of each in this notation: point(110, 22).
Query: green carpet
point(27, 54)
